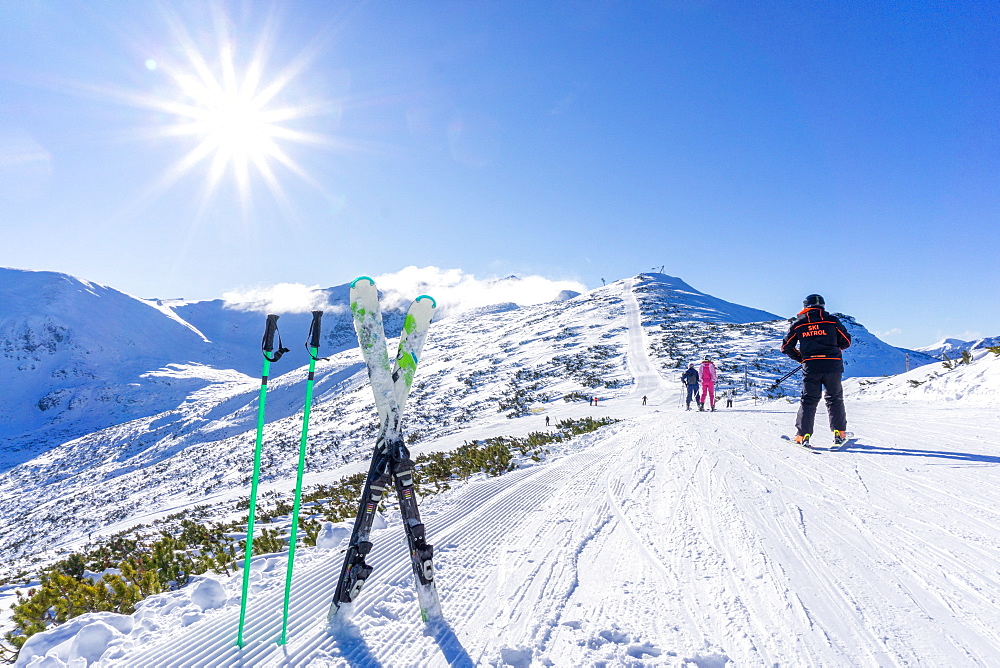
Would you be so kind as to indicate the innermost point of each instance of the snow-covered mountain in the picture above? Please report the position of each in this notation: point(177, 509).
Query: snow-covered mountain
point(953, 348)
point(687, 324)
point(670, 538)
point(104, 387)
point(977, 382)
point(474, 363)
point(495, 370)
point(73, 355)
point(77, 357)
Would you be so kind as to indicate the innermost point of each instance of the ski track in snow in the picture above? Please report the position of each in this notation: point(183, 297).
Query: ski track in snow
point(672, 538)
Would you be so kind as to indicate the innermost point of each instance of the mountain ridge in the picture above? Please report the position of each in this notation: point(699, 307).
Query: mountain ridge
point(80, 357)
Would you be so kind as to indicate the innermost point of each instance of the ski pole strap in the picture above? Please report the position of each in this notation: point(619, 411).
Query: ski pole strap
point(267, 345)
point(312, 340)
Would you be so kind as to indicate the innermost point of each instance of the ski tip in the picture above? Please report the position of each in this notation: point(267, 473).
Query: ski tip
point(362, 278)
point(433, 301)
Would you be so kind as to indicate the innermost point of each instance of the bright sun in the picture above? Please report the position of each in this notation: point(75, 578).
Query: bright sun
point(232, 115)
point(238, 128)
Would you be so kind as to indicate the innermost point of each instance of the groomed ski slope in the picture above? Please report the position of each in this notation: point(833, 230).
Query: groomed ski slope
point(672, 538)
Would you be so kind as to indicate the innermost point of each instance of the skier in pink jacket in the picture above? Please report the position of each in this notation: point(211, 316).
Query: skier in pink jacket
point(708, 376)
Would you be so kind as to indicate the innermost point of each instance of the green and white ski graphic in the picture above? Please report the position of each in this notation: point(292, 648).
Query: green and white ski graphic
point(411, 344)
point(371, 338)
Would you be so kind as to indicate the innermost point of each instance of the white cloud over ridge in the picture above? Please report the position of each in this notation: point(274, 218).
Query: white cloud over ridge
point(280, 298)
point(456, 291)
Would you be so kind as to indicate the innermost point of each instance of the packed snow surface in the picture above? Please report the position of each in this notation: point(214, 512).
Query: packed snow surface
point(671, 538)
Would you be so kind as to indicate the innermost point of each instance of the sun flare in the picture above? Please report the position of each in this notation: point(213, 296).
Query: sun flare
point(231, 114)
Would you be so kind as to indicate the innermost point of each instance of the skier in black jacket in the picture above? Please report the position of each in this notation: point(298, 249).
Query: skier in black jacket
point(690, 380)
point(821, 338)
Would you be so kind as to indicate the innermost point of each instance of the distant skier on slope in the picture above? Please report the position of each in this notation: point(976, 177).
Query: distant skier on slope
point(690, 380)
point(708, 378)
point(821, 340)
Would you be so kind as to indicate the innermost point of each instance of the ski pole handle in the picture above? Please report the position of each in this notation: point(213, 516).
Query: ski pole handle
point(269, 330)
point(315, 329)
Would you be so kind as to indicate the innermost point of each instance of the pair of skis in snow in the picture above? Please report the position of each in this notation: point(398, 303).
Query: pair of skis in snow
point(391, 463)
point(846, 443)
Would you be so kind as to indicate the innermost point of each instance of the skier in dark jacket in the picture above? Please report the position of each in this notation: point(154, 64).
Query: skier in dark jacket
point(821, 338)
point(690, 380)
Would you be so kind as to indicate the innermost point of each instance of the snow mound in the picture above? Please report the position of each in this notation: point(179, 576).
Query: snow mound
point(92, 641)
point(83, 638)
point(209, 594)
point(974, 383)
point(332, 535)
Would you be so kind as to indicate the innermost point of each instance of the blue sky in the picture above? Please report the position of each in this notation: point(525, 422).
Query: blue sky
point(759, 150)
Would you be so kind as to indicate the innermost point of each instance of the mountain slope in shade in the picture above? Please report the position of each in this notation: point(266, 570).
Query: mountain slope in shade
point(73, 355)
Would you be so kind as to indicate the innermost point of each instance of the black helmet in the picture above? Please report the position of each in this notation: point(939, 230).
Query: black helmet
point(814, 300)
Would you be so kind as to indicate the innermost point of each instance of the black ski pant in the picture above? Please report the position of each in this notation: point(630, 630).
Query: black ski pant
point(692, 394)
point(813, 383)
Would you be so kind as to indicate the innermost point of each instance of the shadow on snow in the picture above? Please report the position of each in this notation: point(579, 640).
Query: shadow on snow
point(914, 452)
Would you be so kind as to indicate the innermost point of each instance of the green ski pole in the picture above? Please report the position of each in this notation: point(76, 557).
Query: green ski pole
point(312, 345)
point(270, 355)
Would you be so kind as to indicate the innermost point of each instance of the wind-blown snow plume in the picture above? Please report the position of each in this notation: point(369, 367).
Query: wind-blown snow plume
point(456, 291)
point(280, 298)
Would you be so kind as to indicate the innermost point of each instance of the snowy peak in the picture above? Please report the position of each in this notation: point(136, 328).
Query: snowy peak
point(48, 312)
point(692, 304)
point(565, 295)
point(944, 345)
point(690, 324)
point(235, 332)
point(953, 348)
